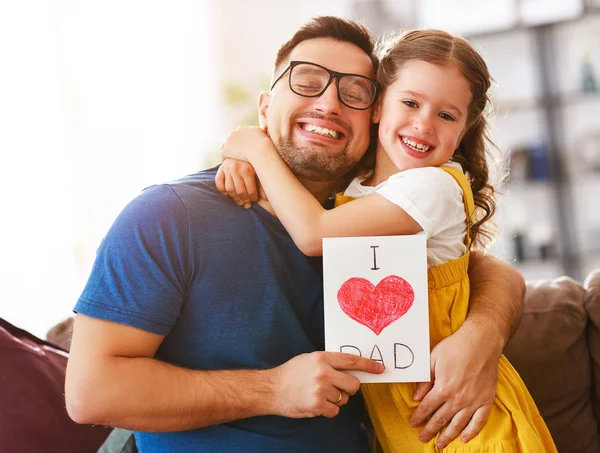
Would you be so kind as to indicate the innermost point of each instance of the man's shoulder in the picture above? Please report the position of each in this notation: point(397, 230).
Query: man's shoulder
point(172, 201)
point(203, 180)
point(202, 177)
point(189, 189)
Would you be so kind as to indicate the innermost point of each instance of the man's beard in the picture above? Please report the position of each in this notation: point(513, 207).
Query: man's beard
point(313, 163)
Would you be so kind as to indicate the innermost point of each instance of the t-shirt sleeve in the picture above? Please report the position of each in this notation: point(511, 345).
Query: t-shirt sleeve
point(429, 195)
point(139, 275)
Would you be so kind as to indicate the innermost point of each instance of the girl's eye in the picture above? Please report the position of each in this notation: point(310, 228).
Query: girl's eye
point(411, 104)
point(446, 116)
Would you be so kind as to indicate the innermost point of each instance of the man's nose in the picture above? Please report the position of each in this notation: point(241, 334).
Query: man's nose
point(329, 101)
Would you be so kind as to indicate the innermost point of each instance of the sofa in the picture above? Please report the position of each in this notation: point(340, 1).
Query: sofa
point(33, 417)
point(556, 349)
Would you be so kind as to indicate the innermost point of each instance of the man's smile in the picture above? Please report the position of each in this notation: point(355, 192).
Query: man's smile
point(323, 128)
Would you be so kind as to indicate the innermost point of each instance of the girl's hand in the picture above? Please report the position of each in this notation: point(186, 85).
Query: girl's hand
point(244, 141)
point(238, 180)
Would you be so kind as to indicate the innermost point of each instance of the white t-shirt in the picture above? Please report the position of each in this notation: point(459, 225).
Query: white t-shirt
point(433, 198)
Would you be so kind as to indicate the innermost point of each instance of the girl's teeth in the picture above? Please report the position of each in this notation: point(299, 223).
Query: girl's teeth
point(416, 146)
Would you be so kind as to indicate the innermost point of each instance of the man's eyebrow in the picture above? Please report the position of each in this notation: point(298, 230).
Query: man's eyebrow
point(452, 107)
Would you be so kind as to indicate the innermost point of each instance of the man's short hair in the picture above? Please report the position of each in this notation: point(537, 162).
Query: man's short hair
point(330, 27)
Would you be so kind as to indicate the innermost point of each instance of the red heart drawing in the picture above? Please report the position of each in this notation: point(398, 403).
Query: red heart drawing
point(376, 307)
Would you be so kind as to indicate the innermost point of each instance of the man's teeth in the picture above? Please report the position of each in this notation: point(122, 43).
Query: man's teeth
point(416, 146)
point(320, 130)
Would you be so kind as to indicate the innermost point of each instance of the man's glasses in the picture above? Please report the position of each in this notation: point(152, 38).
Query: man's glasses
point(311, 80)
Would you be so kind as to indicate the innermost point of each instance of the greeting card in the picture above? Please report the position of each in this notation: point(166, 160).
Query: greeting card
point(376, 303)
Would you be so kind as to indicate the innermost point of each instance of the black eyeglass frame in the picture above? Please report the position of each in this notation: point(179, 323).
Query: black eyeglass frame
point(332, 75)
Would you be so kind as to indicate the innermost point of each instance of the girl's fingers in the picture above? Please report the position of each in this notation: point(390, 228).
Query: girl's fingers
point(230, 190)
point(237, 180)
point(251, 190)
point(241, 192)
point(220, 180)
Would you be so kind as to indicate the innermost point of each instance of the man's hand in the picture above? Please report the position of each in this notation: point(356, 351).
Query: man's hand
point(465, 365)
point(462, 390)
point(109, 360)
point(310, 385)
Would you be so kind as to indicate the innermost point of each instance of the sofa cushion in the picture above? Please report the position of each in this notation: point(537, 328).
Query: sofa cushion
point(32, 404)
point(549, 350)
point(60, 334)
point(592, 305)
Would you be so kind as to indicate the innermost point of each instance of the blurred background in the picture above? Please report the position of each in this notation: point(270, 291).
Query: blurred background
point(101, 99)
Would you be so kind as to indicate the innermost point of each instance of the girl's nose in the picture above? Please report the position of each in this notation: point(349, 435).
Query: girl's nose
point(423, 123)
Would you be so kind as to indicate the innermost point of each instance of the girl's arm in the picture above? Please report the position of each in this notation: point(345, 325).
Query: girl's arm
point(300, 212)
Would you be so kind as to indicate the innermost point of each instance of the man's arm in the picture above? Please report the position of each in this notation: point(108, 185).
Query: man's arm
point(113, 379)
point(465, 365)
point(497, 293)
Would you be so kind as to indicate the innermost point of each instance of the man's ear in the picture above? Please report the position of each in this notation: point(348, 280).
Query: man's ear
point(264, 98)
point(375, 116)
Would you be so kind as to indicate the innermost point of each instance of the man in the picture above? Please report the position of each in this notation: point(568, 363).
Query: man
point(201, 325)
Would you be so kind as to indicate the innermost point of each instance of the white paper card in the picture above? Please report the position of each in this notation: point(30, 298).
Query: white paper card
point(375, 292)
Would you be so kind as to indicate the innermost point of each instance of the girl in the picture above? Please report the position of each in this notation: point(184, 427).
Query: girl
point(429, 175)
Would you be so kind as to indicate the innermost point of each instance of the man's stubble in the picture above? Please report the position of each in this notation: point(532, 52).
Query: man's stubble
point(312, 162)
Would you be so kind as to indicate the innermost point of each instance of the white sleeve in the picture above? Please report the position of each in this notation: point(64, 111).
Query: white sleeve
point(429, 195)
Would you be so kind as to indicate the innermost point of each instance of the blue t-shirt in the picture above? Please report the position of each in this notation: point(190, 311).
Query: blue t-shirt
point(230, 290)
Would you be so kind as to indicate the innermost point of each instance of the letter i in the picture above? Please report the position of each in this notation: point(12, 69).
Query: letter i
point(374, 268)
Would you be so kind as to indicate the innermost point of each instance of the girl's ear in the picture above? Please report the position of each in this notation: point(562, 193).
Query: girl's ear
point(375, 117)
point(264, 98)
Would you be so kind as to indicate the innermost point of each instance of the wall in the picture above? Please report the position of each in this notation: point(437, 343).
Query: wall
point(249, 35)
point(102, 99)
point(99, 100)
point(519, 121)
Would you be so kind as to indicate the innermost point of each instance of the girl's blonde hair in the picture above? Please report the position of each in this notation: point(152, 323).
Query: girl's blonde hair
point(441, 48)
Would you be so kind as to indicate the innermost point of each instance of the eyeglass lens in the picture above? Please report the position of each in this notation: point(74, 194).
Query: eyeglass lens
point(310, 80)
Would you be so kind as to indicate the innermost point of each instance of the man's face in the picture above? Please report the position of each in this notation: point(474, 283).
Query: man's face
point(300, 127)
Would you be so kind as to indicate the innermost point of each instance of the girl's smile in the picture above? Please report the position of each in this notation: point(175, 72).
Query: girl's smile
point(422, 118)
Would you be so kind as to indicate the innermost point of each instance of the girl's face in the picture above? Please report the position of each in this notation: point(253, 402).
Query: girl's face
point(422, 117)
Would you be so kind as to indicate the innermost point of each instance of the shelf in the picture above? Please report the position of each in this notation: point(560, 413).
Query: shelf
point(585, 175)
point(579, 173)
point(513, 105)
point(588, 11)
point(538, 269)
point(559, 100)
point(528, 184)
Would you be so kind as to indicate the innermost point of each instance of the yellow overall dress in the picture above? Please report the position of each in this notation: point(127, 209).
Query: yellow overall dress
point(514, 423)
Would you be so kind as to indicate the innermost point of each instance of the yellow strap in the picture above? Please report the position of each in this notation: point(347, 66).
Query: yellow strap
point(470, 212)
point(341, 199)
